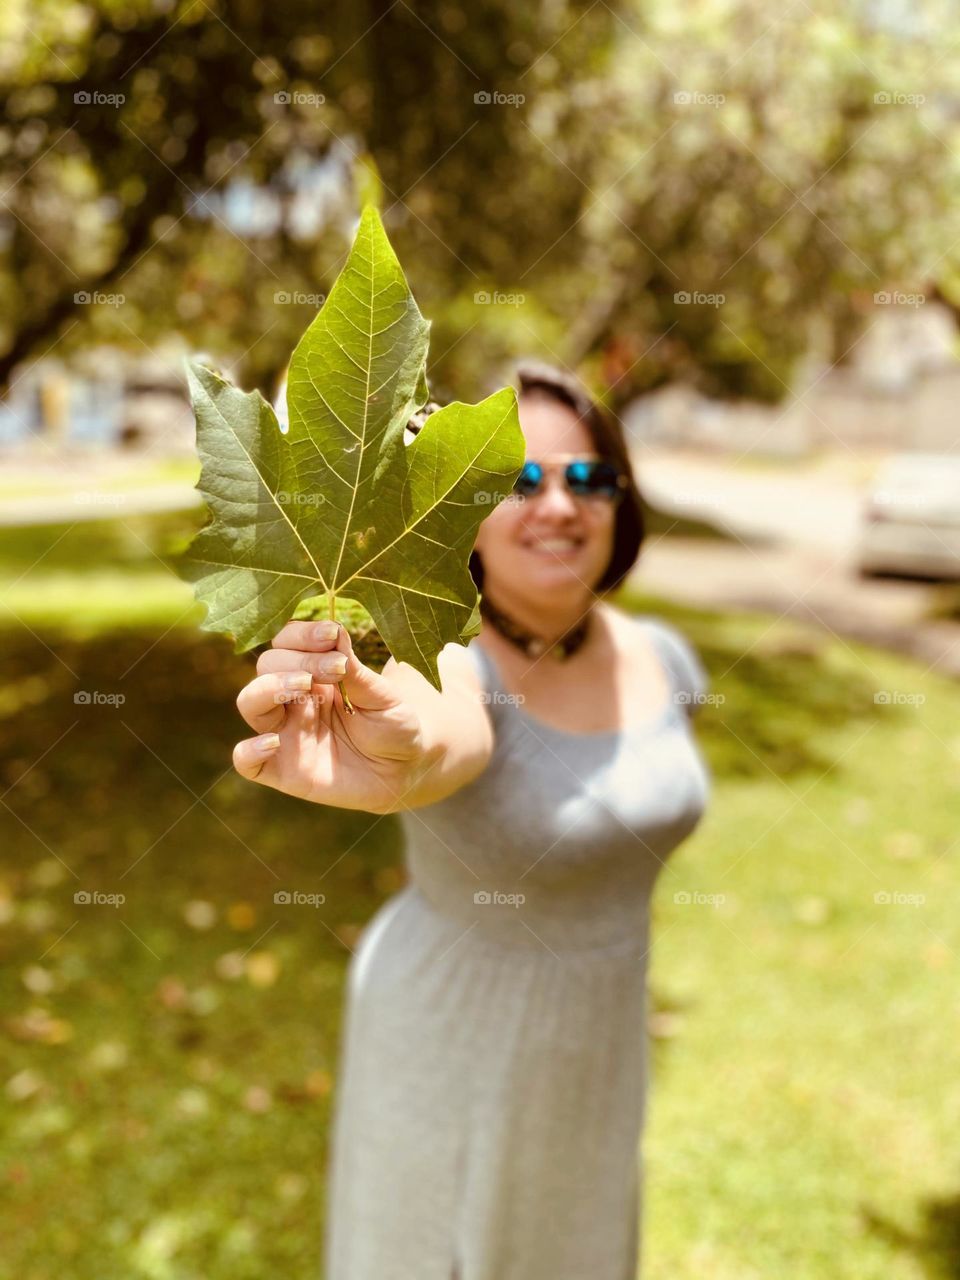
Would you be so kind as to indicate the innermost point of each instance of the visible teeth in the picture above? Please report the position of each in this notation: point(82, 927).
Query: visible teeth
point(558, 544)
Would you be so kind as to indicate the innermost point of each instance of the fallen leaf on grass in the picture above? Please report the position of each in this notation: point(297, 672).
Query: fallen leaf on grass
point(40, 1027)
point(25, 1084)
point(258, 1099)
point(199, 914)
point(263, 968)
point(241, 915)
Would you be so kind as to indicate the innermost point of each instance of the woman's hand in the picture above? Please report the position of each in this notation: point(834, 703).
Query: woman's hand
point(308, 745)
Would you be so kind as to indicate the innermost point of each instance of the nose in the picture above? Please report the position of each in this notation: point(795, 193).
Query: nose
point(555, 500)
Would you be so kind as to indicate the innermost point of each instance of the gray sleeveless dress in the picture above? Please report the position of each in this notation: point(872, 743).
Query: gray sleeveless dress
point(493, 1069)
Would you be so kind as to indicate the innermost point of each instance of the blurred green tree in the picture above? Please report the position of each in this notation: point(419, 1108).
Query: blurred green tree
point(656, 189)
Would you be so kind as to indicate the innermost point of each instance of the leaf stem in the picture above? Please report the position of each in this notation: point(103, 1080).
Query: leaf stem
point(347, 704)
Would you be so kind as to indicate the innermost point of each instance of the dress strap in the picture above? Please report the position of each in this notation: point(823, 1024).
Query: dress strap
point(498, 702)
point(485, 667)
point(687, 673)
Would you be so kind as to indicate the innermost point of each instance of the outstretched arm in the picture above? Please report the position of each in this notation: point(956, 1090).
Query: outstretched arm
point(406, 745)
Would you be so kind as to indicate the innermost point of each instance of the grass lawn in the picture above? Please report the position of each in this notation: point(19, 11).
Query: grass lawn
point(168, 1061)
point(35, 480)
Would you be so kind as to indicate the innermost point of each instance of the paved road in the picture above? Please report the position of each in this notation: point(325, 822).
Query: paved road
point(93, 504)
point(793, 553)
point(808, 505)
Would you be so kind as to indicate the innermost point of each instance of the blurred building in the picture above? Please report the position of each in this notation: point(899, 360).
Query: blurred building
point(101, 397)
point(897, 390)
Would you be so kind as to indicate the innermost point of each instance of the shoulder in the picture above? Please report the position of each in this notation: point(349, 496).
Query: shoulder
point(683, 664)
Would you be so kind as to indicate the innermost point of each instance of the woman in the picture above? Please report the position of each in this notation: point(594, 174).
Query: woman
point(493, 1071)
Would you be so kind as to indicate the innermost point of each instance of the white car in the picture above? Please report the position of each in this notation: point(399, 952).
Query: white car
point(911, 523)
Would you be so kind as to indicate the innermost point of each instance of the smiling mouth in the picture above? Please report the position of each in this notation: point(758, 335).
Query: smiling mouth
point(555, 546)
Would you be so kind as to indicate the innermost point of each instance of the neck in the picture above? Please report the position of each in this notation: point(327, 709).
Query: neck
point(547, 619)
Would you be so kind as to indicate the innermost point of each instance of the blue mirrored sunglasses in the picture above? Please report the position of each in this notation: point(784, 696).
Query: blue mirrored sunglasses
point(584, 478)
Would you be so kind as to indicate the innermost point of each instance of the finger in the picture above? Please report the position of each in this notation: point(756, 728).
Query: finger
point(326, 668)
point(253, 757)
point(263, 701)
point(366, 688)
point(316, 636)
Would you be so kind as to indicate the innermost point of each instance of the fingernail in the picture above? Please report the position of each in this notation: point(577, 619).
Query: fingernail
point(334, 664)
point(301, 680)
point(267, 743)
point(326, 630)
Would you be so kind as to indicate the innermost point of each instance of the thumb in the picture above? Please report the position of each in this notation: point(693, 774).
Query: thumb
point(367, 689)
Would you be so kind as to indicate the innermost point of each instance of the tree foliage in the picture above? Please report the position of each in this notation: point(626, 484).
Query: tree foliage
point(657, 189)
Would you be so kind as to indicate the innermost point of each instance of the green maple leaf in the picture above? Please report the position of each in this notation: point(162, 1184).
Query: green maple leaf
point(339, 505)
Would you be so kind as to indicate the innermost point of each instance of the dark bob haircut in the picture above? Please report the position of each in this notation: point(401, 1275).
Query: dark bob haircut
point(536, 379)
